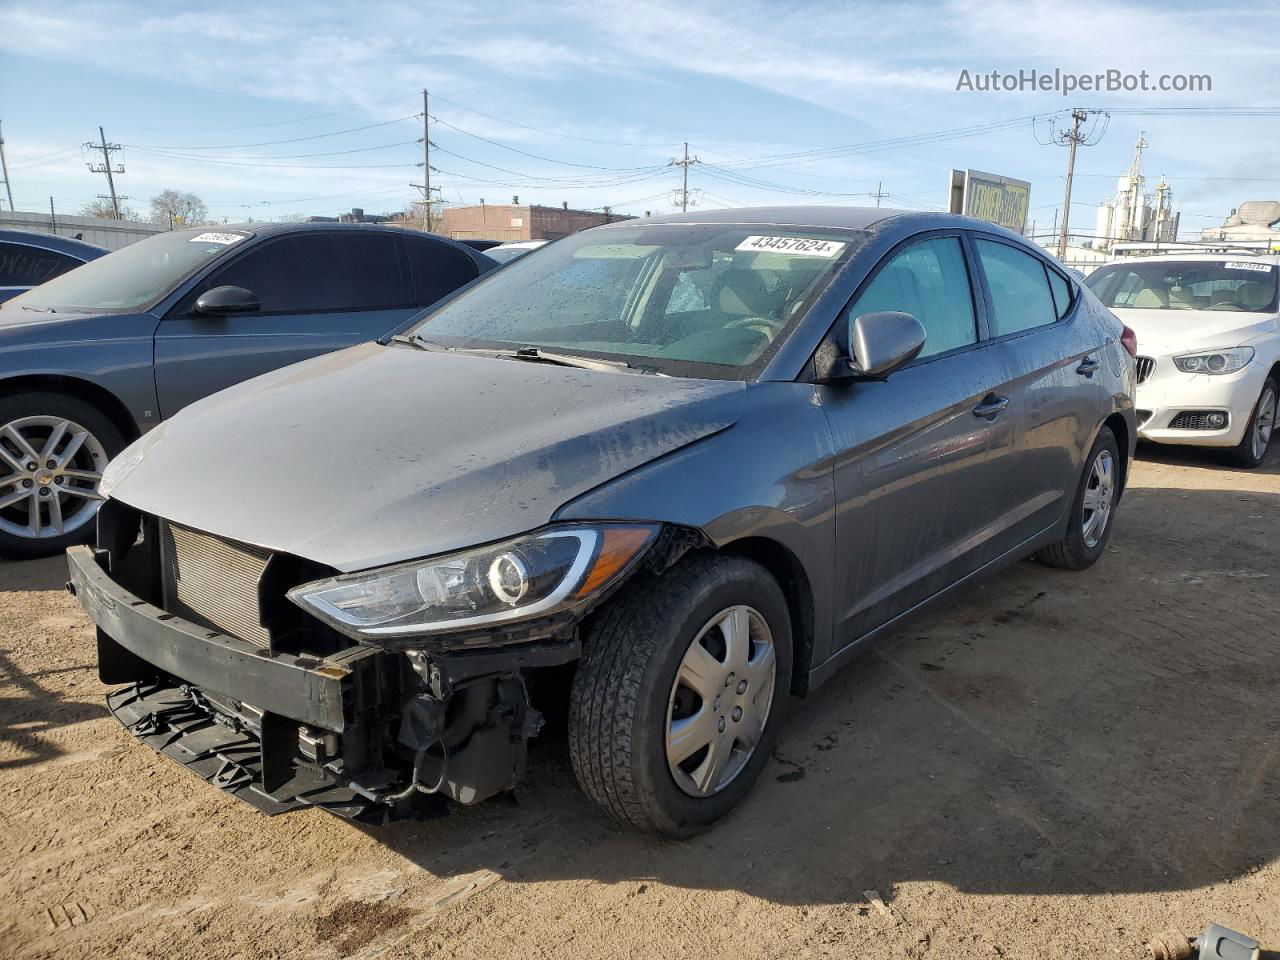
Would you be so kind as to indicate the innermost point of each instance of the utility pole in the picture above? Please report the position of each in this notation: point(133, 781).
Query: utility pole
point(684, 164)
point(1073, 138)
point(105, 167)
point(426, 165)
point(879, 194)
point(4, 168)
point(53, 222)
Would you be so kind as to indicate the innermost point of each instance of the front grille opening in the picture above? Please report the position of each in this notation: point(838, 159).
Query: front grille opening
point(213, 581)
point(1143, 417)
point(1200, 420)
point(1146, 366)
point(241, 590)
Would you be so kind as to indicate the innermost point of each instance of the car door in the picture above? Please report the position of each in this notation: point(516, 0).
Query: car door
point(1052, 359)
point(917, 454)
point(319, 291)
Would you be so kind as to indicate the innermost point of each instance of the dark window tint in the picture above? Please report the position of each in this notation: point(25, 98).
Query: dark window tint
point(437, 269)
point(1020, 297)
point(23, 266)
point(315, 272)
point(1061, 291)
point(929, 281)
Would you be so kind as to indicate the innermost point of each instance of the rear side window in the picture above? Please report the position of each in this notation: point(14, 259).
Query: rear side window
point(23, 266)
point(312, 273)
point(929, 281)
point(1061, 291)
point(437, 269)
point(1020, 295)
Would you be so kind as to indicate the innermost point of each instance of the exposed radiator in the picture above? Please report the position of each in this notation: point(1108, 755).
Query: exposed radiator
point(212, 581)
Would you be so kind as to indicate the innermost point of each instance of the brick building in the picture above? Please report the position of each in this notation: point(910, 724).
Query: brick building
point(508, 222)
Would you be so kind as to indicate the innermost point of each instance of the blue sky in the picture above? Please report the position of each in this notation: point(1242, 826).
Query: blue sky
point(587, 102)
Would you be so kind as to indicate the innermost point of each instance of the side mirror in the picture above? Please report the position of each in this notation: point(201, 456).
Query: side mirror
point(223, 300)
point(880, 343)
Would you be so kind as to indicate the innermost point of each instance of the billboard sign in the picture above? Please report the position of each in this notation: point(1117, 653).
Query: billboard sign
point(990, 197)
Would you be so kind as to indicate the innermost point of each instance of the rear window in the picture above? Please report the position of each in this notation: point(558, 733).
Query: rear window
point(24, 266)
point(1227, 285)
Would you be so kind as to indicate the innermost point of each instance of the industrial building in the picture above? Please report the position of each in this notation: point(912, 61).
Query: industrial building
point(1133, 214)
point(509, 222)
point(1254, 222)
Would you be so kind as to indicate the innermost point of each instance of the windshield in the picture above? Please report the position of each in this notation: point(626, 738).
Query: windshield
point(131, 278)
point(689, 299)
point(1231, 285)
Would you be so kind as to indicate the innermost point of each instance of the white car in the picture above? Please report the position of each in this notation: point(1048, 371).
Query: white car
point(506, 252)
point(1208, 329)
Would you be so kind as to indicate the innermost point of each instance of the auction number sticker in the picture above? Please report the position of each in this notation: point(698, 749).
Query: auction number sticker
point(223, 238)
point(794, 246)
point(1241, 265)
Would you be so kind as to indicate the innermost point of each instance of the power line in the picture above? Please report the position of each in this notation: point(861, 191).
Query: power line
point(526, 153)
point(552, 133)
point(272, 143)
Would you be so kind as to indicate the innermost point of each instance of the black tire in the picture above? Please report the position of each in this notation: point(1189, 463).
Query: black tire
point(108, 437)
point(1244, 454)
point(619, 702)
point(1074, 552)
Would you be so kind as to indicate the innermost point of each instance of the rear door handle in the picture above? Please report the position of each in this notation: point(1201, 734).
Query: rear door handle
point(990, 407)
point(1088, 367)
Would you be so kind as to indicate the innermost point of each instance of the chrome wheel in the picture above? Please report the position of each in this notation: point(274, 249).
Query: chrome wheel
point(1099, 495)
point(49, 473)
point(720, 701)
point(1264, 422)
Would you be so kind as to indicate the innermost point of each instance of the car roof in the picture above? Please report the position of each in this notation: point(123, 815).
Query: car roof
point(80, 249)
point(522, 245)
point(263, 229)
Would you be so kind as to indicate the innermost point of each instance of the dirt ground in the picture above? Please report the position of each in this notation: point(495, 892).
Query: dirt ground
point(1060, 766)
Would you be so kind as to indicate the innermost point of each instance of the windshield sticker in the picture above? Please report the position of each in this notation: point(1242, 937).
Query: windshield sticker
point(795, 246)
point(1240, 265)
point(223, 238)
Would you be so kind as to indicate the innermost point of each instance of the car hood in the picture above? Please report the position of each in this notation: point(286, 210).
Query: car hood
point(1183, 331)
point(20, 327)
point(377, 454)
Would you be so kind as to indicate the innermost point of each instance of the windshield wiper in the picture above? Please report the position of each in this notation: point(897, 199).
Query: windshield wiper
point(414, 341)
point(569, 360)
point(39, 309)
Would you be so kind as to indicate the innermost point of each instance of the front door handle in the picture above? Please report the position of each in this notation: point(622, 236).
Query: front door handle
point(1088, 367)
point(990, 407)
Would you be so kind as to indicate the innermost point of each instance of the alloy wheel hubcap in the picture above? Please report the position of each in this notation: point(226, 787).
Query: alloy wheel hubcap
point(1099, 494)
point(720, 701)
point(50, 468)
point(1264, 423)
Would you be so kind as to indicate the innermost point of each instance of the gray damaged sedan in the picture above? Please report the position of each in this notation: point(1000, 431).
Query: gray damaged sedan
point(667, 472)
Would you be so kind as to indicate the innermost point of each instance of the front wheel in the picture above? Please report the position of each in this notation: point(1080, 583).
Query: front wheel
point(1089, 525)
point(53, 449)
point(679, 694)
point(1257, 437)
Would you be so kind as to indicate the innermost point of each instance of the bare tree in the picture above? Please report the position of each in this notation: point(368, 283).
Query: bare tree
point(102, 209)
point(174, 208)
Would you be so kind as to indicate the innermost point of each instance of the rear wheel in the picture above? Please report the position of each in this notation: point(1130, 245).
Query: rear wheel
point(53, 449)
point(1089, 526)
point(679, 694)
point(1257, 437)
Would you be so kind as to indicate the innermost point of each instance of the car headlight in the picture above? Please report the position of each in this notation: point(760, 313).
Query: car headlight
point(534, 575)
point(1216, 361)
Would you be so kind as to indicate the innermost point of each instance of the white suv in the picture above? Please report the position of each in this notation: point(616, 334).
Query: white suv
point(1208, 329)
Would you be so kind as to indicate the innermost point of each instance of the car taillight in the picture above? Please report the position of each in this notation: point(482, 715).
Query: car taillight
point(1129, 340)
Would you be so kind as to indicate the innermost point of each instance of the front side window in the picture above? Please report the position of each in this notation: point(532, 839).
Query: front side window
point(314, 272)
point(929, 281)
point(1228, 285)
point(24, 266)
point(134, 277)
point(689, 299)
point(1019, 285)
point(437, 269)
